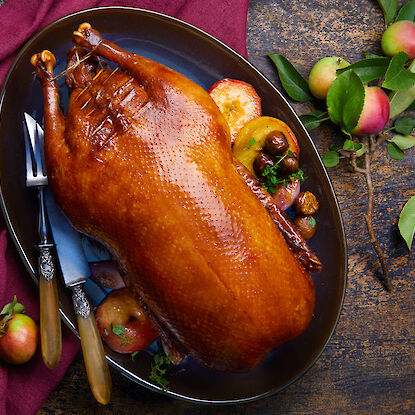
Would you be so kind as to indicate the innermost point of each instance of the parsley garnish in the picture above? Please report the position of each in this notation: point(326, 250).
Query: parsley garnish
point(271, 179)
point(133, 355)
point(158, 370)
point(312, 222)
point(119, 331)
point(251, 143)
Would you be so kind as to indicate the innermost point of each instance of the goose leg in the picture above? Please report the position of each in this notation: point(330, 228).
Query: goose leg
point(54, 122)
point(138, 66)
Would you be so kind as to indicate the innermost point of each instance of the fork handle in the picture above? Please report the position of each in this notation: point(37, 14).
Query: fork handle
point(50, 324)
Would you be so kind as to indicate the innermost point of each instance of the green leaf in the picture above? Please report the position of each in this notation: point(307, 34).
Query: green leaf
point(403, 141)
point(350, 145)
point(367, 54)
point(19, 308)
point(312, 222)
point(293, 83)
point(368, 69)
point(394, 151)
point(335, 147)
point(402, 100)
point(345, 99)
point(7, 309)
point(406, 222)
point(407, 11)
point(358, 148)
point(118, 330)
point(412, 106)
point(318, 113)
point(397, 76)
point(13, 308)
point(360, 151)
point(313, 119)
point(133, 355)
point(389, 8)
point(404, 125)
point(250, 144)
point(331, 159)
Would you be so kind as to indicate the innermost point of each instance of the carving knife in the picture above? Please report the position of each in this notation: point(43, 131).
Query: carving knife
point(75, 271)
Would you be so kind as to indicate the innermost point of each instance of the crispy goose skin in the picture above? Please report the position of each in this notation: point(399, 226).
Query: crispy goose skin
point(142, 162)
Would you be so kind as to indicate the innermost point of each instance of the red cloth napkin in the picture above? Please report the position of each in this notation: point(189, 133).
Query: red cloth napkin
point(23, 389)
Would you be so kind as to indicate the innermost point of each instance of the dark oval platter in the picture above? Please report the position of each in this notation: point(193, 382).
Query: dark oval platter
point(205, 60)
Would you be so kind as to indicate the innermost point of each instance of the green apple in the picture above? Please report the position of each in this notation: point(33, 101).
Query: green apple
point(323, 74)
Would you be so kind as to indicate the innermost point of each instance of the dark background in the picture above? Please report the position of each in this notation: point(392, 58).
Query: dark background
point(369, 365)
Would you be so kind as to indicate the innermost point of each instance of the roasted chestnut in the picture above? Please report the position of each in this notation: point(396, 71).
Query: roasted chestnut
point(275, 143)
point(262, 161)
point(306, 225)
point(306, 204)
point(289, 165)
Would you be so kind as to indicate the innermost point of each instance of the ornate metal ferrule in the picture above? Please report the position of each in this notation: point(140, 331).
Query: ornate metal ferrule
point(80, 301)
point(46, 264)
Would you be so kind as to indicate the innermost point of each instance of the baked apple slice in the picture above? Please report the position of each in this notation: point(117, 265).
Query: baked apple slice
point(123, 324)
point(251, 139)
point(238, 102)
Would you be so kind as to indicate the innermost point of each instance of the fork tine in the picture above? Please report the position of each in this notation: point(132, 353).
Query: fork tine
point(31, 128)
point(38, 158)
point(28, 151)
point(41, 148)
point(36, 176)
point(37, 150)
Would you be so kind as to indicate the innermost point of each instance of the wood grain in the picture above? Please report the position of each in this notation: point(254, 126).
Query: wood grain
point(369, 365)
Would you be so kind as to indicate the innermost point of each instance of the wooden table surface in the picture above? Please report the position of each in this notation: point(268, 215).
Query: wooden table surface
point(369, 365)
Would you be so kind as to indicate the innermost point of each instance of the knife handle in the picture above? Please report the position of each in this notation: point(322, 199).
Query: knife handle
point(50, 322)
point(94, 356)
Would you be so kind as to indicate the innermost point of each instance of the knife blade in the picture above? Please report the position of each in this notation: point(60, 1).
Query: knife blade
point(72, 260)
point(75, 271)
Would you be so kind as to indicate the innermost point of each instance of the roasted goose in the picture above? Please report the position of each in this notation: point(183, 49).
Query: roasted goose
point(142, 162)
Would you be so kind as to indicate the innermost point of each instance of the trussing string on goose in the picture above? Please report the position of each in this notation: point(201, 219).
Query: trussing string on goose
point(98, 74)
point(85, 104)
point(94, 78)
point(128, 93)
point(84, 89)
point(107, 140)
point(128, 82)
point(100, 126)
point(81, 92)
point(90, 112)
point(112, 73)
point(77, 63)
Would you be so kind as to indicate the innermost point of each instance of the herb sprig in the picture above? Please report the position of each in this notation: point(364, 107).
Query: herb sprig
point(250, 144)
point(119, 330)
point(272, 179)
point(158, 370)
